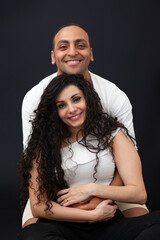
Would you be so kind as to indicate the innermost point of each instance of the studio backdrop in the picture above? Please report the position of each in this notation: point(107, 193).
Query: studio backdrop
point(126, 46)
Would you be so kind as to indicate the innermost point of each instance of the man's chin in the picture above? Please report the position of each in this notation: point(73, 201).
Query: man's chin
point(70, 71)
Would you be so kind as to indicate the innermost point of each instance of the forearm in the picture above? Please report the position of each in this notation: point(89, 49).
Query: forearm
point(56, 211)
point(129, 193)
point(61, 213)
point(94, 201)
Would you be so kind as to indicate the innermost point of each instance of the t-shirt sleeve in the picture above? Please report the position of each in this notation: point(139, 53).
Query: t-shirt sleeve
point(29, 104)
point(121, 108)
point(114, 133)
point(27, 111)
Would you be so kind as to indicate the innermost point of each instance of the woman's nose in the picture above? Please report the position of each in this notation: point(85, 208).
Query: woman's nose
point(71, 108)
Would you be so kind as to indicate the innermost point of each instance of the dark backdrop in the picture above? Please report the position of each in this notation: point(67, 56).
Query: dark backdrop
point(126, 45)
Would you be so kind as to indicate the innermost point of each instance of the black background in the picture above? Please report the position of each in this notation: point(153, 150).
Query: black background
point(126, 45)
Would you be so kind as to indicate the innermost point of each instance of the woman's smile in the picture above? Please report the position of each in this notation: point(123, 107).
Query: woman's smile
point(71, 106)
point(75, 117)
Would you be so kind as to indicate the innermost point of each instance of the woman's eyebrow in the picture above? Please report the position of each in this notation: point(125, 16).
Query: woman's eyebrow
point(59, 101)
point(75, 95)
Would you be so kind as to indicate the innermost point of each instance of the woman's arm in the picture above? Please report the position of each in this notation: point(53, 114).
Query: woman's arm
point(94, 201)
point(104, 211)
point(117, 180)
point(129, 167)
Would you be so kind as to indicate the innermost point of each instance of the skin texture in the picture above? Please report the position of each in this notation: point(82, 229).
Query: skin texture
point(105, 208)
point(93, 203)
point(104, 211)
point(128, 165)
point(72, 54)
point(71, 107)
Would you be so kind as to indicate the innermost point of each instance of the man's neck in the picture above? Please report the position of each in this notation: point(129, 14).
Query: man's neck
point(87, 76)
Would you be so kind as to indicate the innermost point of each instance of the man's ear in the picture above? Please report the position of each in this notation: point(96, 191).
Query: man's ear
point(52, 57)
point(92, 58)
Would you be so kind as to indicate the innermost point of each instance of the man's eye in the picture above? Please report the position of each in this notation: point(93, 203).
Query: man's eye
point(81, 46)
point(62, 47)
point(60, 106)
point(76, 99)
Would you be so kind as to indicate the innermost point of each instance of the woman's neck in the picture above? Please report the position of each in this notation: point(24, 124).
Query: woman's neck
point(73, 138)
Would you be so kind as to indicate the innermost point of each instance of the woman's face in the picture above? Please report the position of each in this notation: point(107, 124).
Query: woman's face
point(71, 107)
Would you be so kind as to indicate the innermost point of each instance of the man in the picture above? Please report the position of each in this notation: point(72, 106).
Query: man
point(72, 54)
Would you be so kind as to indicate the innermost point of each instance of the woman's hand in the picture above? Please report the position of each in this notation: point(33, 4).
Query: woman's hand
point(91, 204)
point(75, 194)
point(104, 211)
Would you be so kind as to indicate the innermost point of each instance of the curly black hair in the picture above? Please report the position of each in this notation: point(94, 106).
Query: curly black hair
point(48, 133)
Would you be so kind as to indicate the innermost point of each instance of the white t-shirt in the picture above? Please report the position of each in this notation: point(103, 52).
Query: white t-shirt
point(78, 164)
point(114, 101)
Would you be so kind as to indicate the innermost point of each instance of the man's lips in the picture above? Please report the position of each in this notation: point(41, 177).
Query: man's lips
point(75, 117)
point(73, 62)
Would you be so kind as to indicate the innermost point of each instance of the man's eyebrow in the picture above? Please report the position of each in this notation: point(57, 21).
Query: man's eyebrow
point(80, 40)
point(77, 40)
point(62, 41)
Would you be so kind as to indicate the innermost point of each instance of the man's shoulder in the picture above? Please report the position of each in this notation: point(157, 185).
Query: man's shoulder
point(36, 91)
point(104, 86)
point(100, 80)
point(111, 96)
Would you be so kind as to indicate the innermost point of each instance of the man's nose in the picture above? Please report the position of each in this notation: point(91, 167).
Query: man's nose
point(72, 50)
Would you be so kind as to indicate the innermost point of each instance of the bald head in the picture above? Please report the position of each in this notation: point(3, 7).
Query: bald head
point(70, 26)
point(72, 52)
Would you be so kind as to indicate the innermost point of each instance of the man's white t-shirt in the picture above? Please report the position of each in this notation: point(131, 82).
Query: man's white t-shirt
point(114, 101)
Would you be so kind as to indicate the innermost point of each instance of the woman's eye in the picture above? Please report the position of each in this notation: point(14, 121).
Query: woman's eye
point(76, 99)
point(60, 106)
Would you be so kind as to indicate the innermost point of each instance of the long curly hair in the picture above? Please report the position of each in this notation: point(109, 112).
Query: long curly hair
point(48, 133)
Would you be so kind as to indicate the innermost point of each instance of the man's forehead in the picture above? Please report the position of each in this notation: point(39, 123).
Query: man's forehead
point(71, 33)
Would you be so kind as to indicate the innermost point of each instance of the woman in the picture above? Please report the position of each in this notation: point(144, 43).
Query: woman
point(71, 157)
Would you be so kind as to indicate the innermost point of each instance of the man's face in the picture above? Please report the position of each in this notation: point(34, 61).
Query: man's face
point(72, 52)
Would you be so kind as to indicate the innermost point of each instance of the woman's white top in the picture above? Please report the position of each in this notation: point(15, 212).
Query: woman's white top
point(78, 164)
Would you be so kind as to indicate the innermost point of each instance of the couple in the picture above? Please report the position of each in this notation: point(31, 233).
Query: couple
point(72, 53)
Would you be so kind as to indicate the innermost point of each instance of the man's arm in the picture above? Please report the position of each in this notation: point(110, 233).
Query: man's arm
point(114, 101)
point(30, 103)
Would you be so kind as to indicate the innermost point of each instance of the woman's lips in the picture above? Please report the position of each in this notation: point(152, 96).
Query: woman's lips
point(75, 117)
